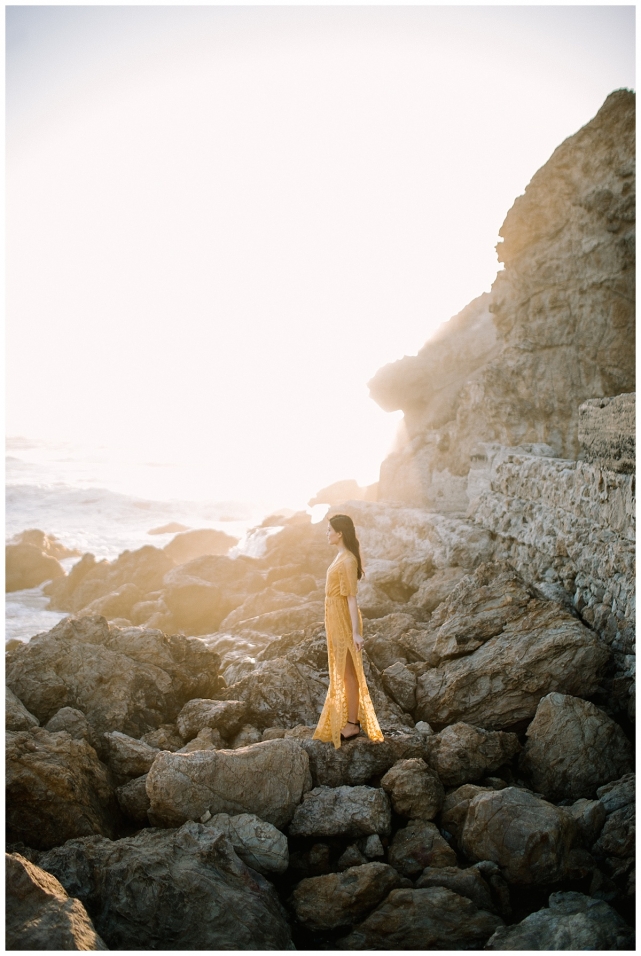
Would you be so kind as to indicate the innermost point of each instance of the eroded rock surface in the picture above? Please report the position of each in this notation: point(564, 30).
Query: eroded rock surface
point(130, 680)
point(573, 747)
point(57, 789)
point(494, 676)
point(418, 845)
point(257, 843)
point(461, 753)
point(414, 789)
point(17, 717)
point(40, 914)
point(267, 779)
point(342, 899)
point(342, 811)
point(570, 921)
point(433, 918)
point(530, 839)
point(176, 889)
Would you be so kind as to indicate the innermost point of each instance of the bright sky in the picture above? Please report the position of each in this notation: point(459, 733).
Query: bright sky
point(223, 220)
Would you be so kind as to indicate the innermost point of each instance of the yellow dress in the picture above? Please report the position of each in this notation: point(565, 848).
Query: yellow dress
point(342, 582)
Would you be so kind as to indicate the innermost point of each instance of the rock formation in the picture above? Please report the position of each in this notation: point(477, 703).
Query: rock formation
point(164, 789)
point(556, 329)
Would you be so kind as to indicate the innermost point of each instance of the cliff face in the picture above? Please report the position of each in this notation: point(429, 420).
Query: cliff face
point(556, 329)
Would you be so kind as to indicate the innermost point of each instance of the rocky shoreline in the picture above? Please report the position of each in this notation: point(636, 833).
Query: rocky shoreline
point(163, 787)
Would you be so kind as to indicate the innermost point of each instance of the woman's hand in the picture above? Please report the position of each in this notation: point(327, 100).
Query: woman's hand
point(358, 641)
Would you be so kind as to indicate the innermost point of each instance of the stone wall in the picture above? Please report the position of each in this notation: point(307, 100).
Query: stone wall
point(569, 527)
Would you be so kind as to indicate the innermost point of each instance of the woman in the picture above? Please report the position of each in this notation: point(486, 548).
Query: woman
point(348, 706)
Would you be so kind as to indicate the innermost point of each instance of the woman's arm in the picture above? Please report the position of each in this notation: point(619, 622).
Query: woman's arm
point(356, 626)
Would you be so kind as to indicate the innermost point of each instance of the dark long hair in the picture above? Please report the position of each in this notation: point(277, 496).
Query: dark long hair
point(345, 525)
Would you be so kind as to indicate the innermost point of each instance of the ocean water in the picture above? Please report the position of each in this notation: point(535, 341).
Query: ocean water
point(95, 502)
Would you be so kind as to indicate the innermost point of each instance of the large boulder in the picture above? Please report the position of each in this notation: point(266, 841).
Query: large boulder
point(572, 748)
point(27, 566)
point(400, 683)
point(615, 848)
point(128, 757)
point(267, 779)
point(194, 544)
point(133, 799)
point(226, 716)
point(356, 761)
point(202, 592)
point(73, 722)
point(432, 918)
point(131, 680)
point(417, 846)
point(342, 811)
point(461, 753)
point(571, 921)
point(491, 668)
point(468, 882)
point(529, 838)
point(48, 543)
point(258, 844)
point(17, 717)
point(263, 602)
point(171, 890)
point(40, 914)
point(342, 899)
point(57, 789)
point(414, 789)
point(278, 692)
point(456, 805)
point(90, 580)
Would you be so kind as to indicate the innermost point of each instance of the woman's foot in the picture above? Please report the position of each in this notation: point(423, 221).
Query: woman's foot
point(355, 731)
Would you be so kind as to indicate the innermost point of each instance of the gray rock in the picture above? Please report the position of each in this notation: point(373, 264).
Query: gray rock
point(226, 716)
point(165, 737)
point(171, 890)
point(27, 567)
point(57, 789)
point(202, 592)
point(456, 805)
point(267, 779)
point(589, 816)
point(461, 753)
point(400, 683)
point(133, 799)
point(132, 680)
point(529, 838)
point(432, 918)
point(342, 811)
point(17, 717)
point(73, 722)
point(40, 914)
point(246, 736)
point(257, 843)
point(357, 761)
point(372, 846)
point(617, 794)
point(418, 845)
point(571, 921)
point(572, 748)
point(128, 757)
point(414, 789)
point(278, 692)
point(205, 739)
point(469, 883)
point(497, 663)
point(614, 850)
point(341, 899)
point(351, 857)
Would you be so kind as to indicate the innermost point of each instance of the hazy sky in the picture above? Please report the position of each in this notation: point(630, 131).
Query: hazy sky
point(221, 221)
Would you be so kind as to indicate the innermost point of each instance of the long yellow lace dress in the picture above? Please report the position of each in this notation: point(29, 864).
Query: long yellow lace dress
point(341, 582)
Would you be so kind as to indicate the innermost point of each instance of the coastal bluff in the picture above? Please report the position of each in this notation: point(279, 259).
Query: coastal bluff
point(163, 787)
